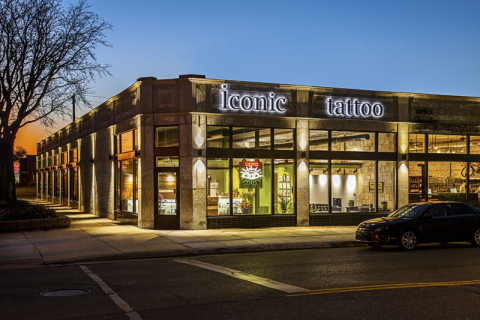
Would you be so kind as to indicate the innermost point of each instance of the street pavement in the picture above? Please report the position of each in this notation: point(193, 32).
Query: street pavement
point(90, 238)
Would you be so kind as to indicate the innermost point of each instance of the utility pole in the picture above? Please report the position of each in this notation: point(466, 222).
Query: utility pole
point(73, 106)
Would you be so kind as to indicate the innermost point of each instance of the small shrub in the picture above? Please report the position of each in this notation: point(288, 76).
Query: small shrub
point(23, 210)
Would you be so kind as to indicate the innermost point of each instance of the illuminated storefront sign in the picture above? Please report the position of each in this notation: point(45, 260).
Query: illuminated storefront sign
point(251, 174)
point(258, 102)
point(354, 108)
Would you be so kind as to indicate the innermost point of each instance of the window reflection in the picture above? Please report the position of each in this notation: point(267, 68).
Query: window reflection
point(438, 143)
point(353, 141)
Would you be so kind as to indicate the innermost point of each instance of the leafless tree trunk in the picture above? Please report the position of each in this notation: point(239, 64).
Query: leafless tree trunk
point(46, 56)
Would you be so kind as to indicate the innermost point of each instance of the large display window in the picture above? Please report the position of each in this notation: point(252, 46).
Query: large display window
point(353, 185)
point(284, 186)
point(446, 181)
point(218, 188)
point(127, 172)
point(318, 186)
point(251, 183)
point(127, 186)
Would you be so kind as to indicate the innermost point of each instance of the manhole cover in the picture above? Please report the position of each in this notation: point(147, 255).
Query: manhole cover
point(65, 292)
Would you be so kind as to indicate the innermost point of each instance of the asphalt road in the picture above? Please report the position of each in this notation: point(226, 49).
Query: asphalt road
point(433, 282)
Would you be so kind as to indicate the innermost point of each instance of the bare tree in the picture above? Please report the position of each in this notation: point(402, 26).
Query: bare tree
point(46, 56)
point(19, 153)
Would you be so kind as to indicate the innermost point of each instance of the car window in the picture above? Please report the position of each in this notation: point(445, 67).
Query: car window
point(409, 211)
point(438, 211)
point(458, 209)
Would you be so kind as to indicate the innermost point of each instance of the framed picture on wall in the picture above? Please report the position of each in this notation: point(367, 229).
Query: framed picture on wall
point(380, 187)
point(371, 186)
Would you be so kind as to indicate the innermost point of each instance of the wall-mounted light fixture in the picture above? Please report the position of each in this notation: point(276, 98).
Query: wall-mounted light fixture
point(325, 171)
point(339, 169)
point(355, 171)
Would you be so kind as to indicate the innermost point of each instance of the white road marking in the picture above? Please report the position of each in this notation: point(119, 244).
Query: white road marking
point(245, 276)
point(132, 314)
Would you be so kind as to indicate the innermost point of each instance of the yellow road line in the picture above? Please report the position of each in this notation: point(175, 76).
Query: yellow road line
point(386, 287)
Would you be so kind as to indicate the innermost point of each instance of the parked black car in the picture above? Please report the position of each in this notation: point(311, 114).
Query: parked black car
point(442, 221)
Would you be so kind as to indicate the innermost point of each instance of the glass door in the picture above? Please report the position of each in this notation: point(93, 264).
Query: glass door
point(167, 206)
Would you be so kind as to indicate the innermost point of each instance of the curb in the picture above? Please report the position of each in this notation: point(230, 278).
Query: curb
point(208, 251)
point(48, 223)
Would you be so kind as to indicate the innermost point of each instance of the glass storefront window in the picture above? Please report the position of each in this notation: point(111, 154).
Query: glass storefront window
point(74, 155)
point(284, 182)
point(387, 142)
point(166, 137)
point(386, 185)
point(127, 186)
point(318, 186)
point(446, 181)
point(64, 183)
point(218, 191)
point(251, 138)
point(126, 141)
point(318, 140)
point(251, 186)
point(74, 193)
point(438, 143)
point(353, 186)
point(416, 143)
point(167, 161)
point(218, 137)
point(283, 139)
point(353, 141)
point(416, 178)
point(475, 144)
point(58, 179)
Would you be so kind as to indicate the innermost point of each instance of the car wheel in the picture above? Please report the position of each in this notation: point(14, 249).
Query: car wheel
point(408, 240)
point(476, 238)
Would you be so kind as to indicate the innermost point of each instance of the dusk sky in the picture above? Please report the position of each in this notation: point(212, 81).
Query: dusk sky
point(403, 46)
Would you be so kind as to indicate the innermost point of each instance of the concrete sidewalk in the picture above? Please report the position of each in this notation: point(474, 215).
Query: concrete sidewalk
point(90, 238)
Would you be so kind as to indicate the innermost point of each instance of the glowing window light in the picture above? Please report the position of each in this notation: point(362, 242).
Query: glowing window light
point(323, 179)
point(351, 182)
point(170, 179)
point(336, 180)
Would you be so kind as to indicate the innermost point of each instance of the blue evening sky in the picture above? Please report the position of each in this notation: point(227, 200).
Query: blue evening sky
point(407, 46)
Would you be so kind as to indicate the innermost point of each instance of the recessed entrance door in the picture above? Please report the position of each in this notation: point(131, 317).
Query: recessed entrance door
point(167, 199)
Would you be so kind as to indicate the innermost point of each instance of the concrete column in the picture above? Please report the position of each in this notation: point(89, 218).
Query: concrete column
point(303, 215)
point(193, 174)
point(402, 182)
point(146, 178)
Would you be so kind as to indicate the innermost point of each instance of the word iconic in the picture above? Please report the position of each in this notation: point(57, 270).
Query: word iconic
point(354, 109)
point(254, 103)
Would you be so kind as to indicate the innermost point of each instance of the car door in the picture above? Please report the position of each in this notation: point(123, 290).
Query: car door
point(462, 221)
point(435, 226)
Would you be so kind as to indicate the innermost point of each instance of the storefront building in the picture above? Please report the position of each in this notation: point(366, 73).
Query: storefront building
point(197, 153)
